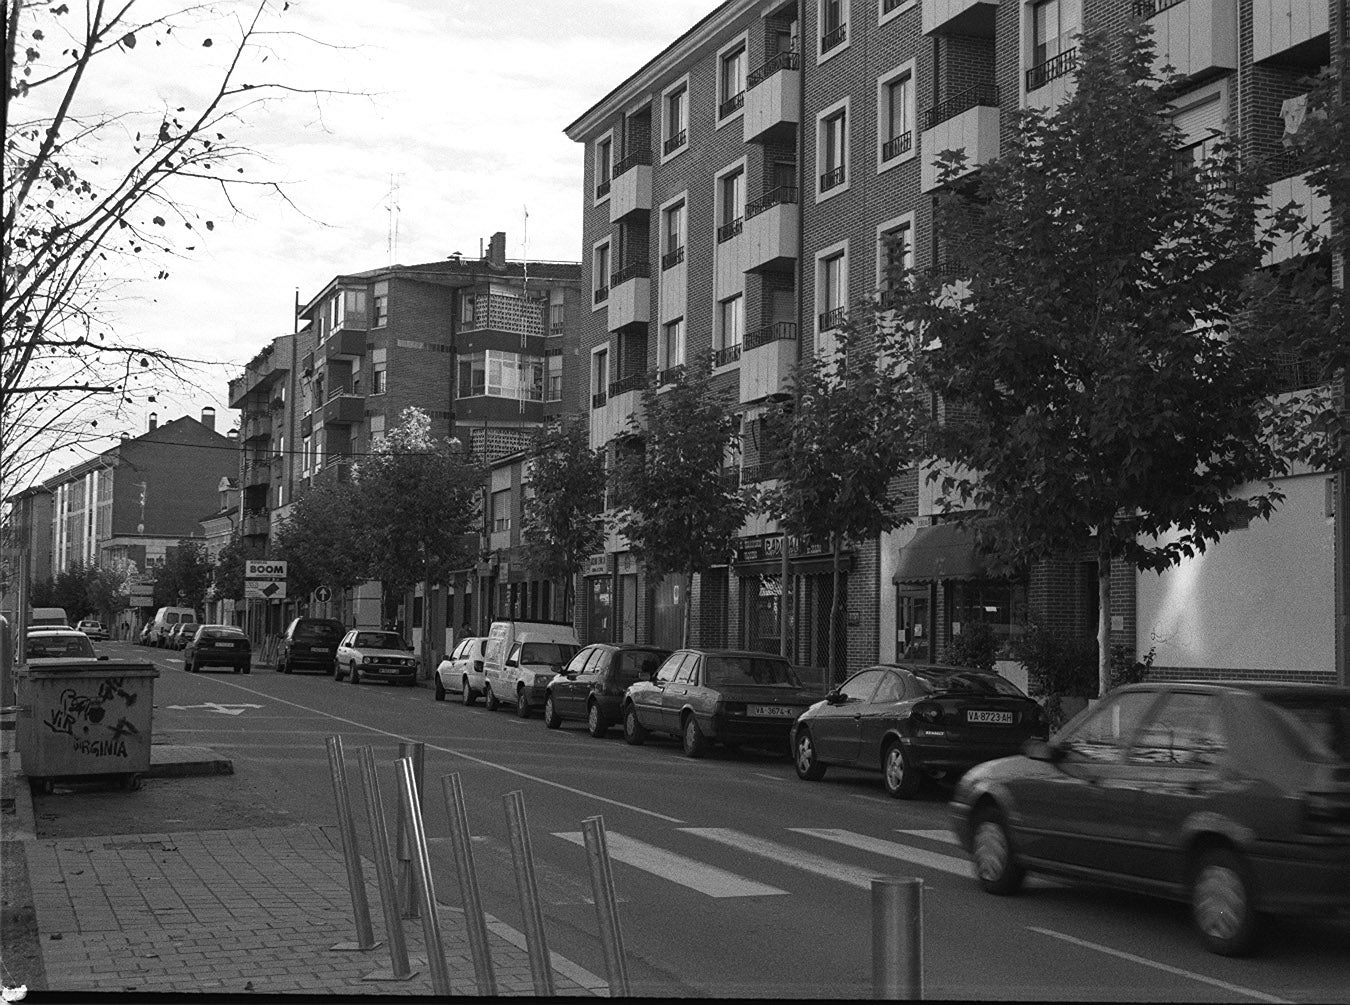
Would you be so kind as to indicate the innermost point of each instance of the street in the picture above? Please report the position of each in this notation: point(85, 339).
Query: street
point(734, 877)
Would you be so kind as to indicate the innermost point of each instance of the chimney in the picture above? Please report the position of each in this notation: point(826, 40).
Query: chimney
point(154, 421)
point(233, 433)
point(209, 418)
point(497, 250)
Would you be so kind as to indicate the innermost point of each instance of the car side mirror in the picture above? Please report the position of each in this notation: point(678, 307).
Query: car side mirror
point(102, 658)
point(834, 697)
point(1043, 750)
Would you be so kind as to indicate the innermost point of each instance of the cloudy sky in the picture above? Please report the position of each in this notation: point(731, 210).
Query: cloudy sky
point(462, 103)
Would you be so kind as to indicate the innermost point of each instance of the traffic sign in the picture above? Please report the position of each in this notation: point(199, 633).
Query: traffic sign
point(264, 589)
point(264, 568)
point(322, 594)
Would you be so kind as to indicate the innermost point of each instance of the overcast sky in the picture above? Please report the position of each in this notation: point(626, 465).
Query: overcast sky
point(465, 103)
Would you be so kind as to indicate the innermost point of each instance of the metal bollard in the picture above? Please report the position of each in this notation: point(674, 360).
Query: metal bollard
point(384, 872)
point(606, 904)
point(541, 969)
point(356, 882)
point(410, 807)
point(897, 938)
point(460, 839)
point(407, 893)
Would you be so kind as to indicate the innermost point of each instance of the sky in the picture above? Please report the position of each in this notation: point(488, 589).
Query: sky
point(460, 104)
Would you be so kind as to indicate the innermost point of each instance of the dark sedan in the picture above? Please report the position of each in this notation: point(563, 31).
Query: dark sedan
point(910, 720)
point(1234, 797)
point(704, 696)
point(218, 646)
point(593, 683)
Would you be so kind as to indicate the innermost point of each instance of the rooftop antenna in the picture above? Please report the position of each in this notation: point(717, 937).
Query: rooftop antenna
point(392, 208)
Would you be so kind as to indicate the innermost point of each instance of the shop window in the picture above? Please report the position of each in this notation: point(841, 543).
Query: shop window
point(999, 603)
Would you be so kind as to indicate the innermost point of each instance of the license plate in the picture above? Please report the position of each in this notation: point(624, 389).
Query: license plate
point(224, 645)
point(989, 716)
point(773, 711)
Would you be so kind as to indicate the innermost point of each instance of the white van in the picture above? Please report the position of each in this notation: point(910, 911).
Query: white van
point(522, 657)
point(165, 619)
point(50, 617)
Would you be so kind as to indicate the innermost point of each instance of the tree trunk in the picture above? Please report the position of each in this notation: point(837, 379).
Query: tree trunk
point(834, 612)
point(1103, 609)
point(784, 649)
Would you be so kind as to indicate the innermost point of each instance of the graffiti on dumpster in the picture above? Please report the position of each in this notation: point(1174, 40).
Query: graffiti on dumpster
point(77, 715)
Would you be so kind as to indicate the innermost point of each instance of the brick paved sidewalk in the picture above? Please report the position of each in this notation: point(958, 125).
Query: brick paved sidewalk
point(237, 911)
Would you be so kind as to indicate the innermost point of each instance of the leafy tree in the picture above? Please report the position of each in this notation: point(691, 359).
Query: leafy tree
point(1092, 380)
point(320, 539)
point(417, 500)
point(228, 576)
point(564, 521)
point(671, 499)
point(106, 590)
point(43, 593)
point(848, 437)
point(185, 576)
point(69, 590)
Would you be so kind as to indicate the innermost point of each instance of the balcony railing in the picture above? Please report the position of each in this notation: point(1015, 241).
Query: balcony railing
point(1056, 66)
point(733, 104)
point(669, 375)
point(501, 313)
point(1147, 8)
point(762, 472)
point(972, 97)
point(726, 355)
point(634, 270)
point(598, 399)
point(783, 194)
point(602, 294)
point(638, 158)
point(833, 38)
point(633, 382)
point(832, 178)
point(729, 230)
point(672, 258)
point(776, 332)
point(897, 145)
point(602, 189)
point(832, 319)
point(675, 142)
point(785, 60)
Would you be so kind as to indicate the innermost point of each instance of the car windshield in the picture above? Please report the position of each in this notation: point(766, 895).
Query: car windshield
point(945, 680)
point(1319, 724)
point(319, 631)
point(59, 647)
point(556, 653)
point(724, 671)
point(379, 640)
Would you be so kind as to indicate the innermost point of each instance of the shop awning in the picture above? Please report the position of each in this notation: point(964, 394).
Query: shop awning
point(942, 551)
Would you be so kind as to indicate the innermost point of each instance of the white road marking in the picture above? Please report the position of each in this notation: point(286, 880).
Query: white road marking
point(214, 706)
point(699, 876)
point(1177, 971)
point(772, 778)
point(787, 855)
point(890, 849)
point(945, 837)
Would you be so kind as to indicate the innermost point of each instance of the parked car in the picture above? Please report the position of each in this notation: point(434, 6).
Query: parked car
point(179, 634)
point(462, 670)
point(371, 654)
point(44, 644)
point(166, 618)
point(146, 636)
point(48, 617)
point(1232, 796)
point(521, 657)
point(912, 720)
point(310, 644)
point(592, 685)
point(218, 646)
point(93, 630)
point(727, 696)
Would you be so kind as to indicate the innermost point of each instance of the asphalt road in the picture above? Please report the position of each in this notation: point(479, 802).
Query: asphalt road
point(734, 877)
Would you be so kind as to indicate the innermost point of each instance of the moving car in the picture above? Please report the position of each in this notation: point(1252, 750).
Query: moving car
point(521, 658)
point(1232, 796)
point(591, 687)
point(462, 670)
point(727, 696)
point(371, 654)
point(93, 630)
point(218, 646)
point(910, 720)
point(310, 644)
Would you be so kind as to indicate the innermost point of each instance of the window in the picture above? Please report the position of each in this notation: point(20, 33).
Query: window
point(732, 82)
point(555, 364)
point(895, 251)
point(557, 318)
point(832, 290)
point(306, 455)
point(670, 350)
point(381, 309)
point(676, 135)
point(832, 149)
point(1201, 122)
point(377, 377)
point(1186, 731)
point(499, 374)
point(895, 116)
point(731, 204)
point(1053, 25)
point(604, 166)
point(672, 236)
point(833, 25)
point(347, 309)
point(1104, 735)
point(501, 511)
point(730, 330)
point(466, 306)
point(599, 377)
point(600, 272)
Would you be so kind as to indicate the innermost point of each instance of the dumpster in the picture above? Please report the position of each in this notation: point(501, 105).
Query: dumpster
point(81, 719)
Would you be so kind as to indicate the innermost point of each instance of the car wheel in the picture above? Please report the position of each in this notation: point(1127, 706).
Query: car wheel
point(440, 688)
point(991, 851)
point(356, 674)
point(1221, 903)
point(281, 665)
point(551, 717)
point(238, 669)
point(693, 741)
point(248, 667)
point(466, 696)
point(331, 670)
point(633, 731)
point(522, 704)
point(491, 700)
point(190, 668)
point(595, 725)
point(901, 775)
point(809, 768)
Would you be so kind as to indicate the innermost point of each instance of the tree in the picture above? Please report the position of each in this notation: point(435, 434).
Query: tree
point(848, 437)
point(672, 499)
point(184, 577)
point(228, 576)
point(1094, 380)
point(564, 520)
point(321, 540)
point(418, 501)
point(98, 192)
point(106, 589)
point(70, 590)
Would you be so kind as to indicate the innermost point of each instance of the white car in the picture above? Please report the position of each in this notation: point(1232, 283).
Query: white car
point(93, 629)
point(370, 654)
point(462, 671)
point(44, 645)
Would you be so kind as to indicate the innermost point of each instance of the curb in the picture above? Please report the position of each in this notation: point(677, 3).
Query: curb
point(14, 786)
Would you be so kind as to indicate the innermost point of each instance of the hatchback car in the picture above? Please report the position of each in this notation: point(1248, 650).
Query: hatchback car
point(462, 670)
point(179, 634)
point(1234, 797)
point(218, 646)
point(704, 696)
point(310, 644)
point(592, 685)
point(93, 630)
point(42, 645)
point(370, 654)
point(913, 720)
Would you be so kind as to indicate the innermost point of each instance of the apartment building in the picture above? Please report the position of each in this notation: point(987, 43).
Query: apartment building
point(752, 182)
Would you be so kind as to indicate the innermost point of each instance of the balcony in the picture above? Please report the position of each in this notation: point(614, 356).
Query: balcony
point(767, 360)
point(611, 412)
point(1290, 32)
point(771, 231)
point(630, 190)
point(630, 294)
point(765, 471)
point(513, 315)
point(261, 372)
point(968, 121)
point(336, 470)
point(1196, 38)
point(255, 523)
point(672, 258)
point(343, 408)
point(973, 18)
point(344, 344)
point(307, 424)
point(833, 38)
point(1316, 209)
point(257, 472)
point(773, 105)
point(256, 425)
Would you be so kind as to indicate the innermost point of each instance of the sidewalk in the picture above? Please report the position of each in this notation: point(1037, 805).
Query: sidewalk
point(230, 911)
